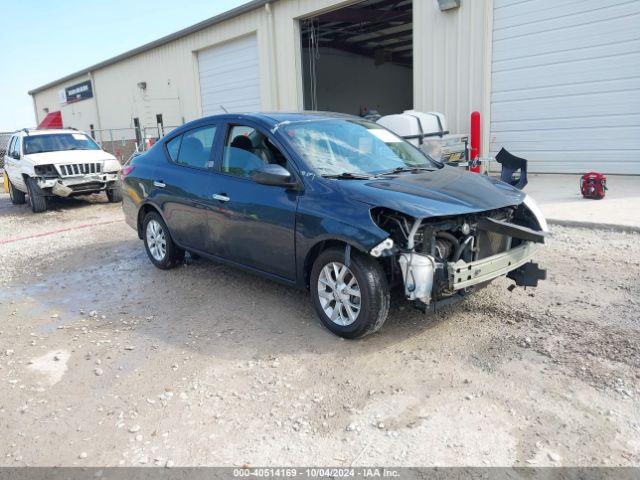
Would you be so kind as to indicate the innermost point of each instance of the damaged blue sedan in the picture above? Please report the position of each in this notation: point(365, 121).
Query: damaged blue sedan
point(332, 203)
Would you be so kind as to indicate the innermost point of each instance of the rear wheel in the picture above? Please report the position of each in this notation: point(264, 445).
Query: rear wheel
point(17, 197)
point(351, 298)
point(157, 241)
point(114, 195)
point(37, 198)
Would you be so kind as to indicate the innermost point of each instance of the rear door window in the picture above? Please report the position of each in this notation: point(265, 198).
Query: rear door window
point(193, 148)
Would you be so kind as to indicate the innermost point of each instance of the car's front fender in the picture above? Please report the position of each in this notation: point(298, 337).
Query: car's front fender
point(333, 220)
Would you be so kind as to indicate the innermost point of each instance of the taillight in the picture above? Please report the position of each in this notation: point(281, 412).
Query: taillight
point(126, 170)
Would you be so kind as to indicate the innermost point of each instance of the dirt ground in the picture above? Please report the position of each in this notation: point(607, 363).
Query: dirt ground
point(106, 360)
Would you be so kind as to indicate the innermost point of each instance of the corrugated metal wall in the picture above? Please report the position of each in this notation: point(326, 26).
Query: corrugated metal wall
point(448, 71)
point(450, 74)
point(170, 72)
point(566, 84)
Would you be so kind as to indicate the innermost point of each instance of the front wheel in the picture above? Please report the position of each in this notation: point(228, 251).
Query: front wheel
point(350, 297)
point(114, 195)
point(157, 241)
point(37, 198)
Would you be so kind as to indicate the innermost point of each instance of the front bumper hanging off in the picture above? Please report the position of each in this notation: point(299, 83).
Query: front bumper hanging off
point(88, 183)
point(466, 274)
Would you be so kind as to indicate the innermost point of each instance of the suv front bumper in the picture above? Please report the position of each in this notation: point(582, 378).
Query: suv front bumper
point(85, 183)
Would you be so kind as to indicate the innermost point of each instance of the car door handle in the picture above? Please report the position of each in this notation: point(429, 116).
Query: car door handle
point(157, 183)
point(221, 197)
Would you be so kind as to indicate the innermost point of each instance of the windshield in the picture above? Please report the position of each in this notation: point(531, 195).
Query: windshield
point(335, 147)
point(58, 142)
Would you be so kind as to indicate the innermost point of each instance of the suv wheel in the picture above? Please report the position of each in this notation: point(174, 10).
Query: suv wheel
point(352, 301)
point(157, 241)
point(37, 198)
point(114, 195)
point(17, 197)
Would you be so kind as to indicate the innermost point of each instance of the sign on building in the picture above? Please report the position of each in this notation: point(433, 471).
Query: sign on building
point(80, 91)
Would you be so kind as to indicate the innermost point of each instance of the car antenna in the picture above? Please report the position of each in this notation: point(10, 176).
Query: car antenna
point(225, 110)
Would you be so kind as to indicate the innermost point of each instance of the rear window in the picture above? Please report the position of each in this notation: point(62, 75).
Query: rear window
point(58, 142)
point(174, 148)
point(193, 148)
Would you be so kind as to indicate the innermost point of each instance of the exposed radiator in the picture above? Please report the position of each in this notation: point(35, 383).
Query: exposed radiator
point(74, 169)
point(490, 243)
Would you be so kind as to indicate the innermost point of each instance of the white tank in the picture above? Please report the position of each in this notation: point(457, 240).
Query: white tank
point(417, 272)
point(428, 131)
point(412, 123)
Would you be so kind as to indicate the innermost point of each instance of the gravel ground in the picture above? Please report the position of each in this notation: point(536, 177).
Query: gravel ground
point(106, 360)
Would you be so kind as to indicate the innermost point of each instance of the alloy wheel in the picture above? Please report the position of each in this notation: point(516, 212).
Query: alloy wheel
point(156, 240)
point(339, 293)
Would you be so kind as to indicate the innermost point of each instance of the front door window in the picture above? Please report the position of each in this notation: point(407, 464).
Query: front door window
point(247, 149)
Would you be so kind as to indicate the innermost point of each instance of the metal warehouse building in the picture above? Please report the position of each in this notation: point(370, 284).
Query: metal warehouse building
point(556, 81)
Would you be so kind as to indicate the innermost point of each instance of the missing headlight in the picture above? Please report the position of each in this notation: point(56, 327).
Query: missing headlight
point(46, 171)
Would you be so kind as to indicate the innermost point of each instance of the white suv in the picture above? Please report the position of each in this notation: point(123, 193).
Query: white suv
point(46, 163)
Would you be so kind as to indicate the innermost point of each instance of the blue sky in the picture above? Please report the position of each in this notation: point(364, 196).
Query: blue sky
point(43, 40)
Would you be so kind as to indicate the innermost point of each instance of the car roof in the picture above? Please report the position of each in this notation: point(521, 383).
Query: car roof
point(279, 117)
point(271, 119)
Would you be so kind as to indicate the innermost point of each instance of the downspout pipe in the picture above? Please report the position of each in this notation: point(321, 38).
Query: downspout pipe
point(95, 100)
point(273, 57)
point(35, 108)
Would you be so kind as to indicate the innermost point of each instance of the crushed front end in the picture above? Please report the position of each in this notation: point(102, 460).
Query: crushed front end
point(439, 260)
point(69, 179)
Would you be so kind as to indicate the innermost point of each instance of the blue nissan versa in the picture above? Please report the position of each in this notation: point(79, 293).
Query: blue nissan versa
point(333, 203)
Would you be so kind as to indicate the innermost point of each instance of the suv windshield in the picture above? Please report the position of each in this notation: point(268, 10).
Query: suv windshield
point(58, 142)
point(336, 147)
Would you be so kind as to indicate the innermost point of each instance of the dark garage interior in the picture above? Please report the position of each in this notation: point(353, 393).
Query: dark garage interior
point(359, 58)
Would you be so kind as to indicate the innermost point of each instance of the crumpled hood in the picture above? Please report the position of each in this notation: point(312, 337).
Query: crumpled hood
point(69, 156)
point(447, 191)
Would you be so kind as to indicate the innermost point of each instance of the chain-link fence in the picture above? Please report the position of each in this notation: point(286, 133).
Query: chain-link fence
point(120, 142)
point(4, 144)
point(124, 142)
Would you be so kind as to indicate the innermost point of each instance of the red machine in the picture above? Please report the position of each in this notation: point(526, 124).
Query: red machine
point(593, 185)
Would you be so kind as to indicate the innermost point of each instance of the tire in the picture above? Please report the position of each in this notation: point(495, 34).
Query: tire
point(37, 198)
point(162, 252)
point(371, 283)
point(17, 197)
point(114, 195)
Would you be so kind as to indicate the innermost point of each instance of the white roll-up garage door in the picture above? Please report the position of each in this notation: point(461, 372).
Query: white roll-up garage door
point(566, 84)
point(230, 77)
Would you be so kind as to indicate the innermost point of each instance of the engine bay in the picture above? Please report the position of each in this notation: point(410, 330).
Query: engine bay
point(435, 256)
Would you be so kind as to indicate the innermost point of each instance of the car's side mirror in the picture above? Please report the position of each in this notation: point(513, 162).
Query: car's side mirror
point(274, 175)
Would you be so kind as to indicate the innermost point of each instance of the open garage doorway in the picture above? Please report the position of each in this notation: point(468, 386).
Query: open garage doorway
point(359, 59)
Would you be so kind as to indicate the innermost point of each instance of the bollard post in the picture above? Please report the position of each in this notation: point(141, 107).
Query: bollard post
point(475, 143)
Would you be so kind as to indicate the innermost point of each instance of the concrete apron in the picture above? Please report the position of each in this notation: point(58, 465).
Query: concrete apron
point(560, 199)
